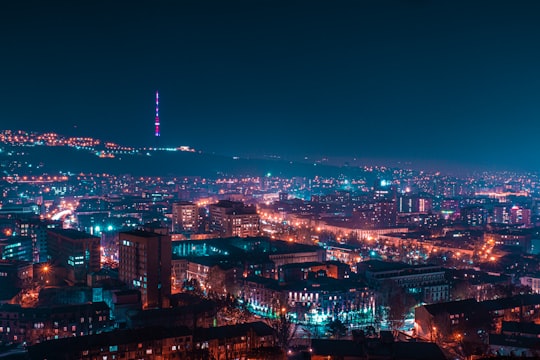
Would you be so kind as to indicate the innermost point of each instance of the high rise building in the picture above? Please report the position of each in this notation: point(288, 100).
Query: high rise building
point(520, 215)
point(233, 218)
point(37, 230)
point(405, 203)
point(423, 204)
point(384, 213)
point(185, 217)
point(473, 215)
point(414, 203)
point(76, 251)
point(501, 214)
point(145, 264)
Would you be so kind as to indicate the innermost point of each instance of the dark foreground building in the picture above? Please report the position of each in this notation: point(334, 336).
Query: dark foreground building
point(251, 340)
point(380, 348)
point(31, 325)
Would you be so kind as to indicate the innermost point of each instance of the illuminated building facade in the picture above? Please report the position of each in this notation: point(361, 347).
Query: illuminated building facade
point(384, 213)
point(254, 340)
point(145, 264)
point(520, 216)
point(185, 217)
point(314, 302)
point(408, 203)
point(76, 251)
point(426, 282)
point(473, 215)
point(233, 218)
point(501, 214)
point(37, 230)
point(517, 238)
point(532, 281)
point(31, 325)
point(16, 248)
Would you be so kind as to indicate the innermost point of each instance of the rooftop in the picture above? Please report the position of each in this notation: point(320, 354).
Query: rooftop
point(520, 327)
point(140, 233)
point(511, 302)
point(72, 234)
point(378, 348)
point(452, 307)
point(232, 331)
point(379, 265)
point(62, 347)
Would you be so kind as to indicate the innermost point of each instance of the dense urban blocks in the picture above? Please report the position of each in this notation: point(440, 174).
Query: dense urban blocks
point(331, 264)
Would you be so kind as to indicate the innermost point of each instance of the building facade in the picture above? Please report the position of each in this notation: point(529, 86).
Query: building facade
point(185, 217)
point(145, 264)
point(37, 324)
point(233, 218)
point(425, 282)
point(74, 250)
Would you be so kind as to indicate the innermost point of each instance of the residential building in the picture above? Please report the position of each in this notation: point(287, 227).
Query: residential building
point(36, 324)
point(145, 264)
point(426, 282)
point(76, 251)
point(250, 340)
point(185, 217)
point(234, 218)
point(16, 248)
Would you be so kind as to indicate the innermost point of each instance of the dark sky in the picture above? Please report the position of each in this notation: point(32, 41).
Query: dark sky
point(419, 80)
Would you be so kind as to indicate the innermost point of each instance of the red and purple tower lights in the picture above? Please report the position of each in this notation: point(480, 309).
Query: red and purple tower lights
point(157, 114)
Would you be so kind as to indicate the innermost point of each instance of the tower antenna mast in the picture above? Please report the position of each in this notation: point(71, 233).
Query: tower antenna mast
point(157, 133)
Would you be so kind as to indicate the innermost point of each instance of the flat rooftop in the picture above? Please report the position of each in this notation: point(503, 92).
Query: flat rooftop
point(73, 234)
point(378, 265)
point(140, 233)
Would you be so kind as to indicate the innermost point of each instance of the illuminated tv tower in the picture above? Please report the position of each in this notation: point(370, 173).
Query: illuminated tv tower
point(157, 114)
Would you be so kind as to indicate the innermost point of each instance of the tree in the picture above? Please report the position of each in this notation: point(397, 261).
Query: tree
point(395, 302)
point(463, 290)
point(193, 286)
point(215, 282)
point(336, 329)
point(284, 329)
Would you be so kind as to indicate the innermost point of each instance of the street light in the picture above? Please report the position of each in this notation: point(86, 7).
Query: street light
point(45, 270)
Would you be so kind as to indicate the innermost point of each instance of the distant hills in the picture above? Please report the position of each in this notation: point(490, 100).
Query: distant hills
point(164, 163)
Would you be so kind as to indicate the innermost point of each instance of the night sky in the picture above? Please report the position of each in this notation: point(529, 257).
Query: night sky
point(448, 81)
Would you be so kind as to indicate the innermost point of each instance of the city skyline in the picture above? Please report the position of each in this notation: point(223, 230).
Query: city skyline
point(409, 81)
point(270, 179)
